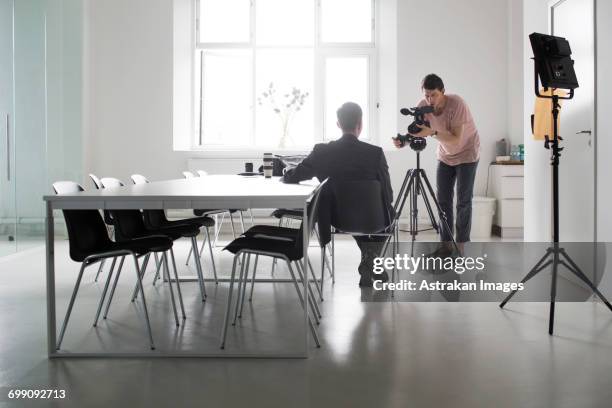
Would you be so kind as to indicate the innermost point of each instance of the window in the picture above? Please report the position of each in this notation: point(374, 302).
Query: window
point(270, 74)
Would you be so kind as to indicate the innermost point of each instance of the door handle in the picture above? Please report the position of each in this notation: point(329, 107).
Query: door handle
point(8, 150)
point(584, 132)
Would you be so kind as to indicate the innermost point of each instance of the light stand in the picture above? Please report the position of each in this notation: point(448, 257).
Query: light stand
point(557, 253)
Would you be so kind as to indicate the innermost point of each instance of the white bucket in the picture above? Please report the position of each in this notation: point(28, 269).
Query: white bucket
point(483, 209)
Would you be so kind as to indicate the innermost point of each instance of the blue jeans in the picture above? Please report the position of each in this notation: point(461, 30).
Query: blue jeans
point(464, 174)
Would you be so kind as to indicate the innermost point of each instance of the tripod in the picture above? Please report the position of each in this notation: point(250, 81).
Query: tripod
point(558, 254)
point(416, 183)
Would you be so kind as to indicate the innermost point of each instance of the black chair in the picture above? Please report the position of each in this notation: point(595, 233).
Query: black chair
point(371, 217)
point(89, 243)
point(155, 219)
point(291, 251)
point(108, 220)
point(129, 224)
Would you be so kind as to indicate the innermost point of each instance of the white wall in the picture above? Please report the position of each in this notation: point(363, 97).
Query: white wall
point(130, 89)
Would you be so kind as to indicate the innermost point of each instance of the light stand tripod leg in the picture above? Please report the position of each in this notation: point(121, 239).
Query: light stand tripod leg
point(576, 271)
point(537, 268)
point(553, 294)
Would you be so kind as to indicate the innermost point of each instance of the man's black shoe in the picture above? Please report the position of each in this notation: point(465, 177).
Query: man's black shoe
point(383, 277)
point(365, 281)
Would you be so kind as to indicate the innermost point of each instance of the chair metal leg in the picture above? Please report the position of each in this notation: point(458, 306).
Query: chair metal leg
point(157, 268)
point(112, 293)
point(144, 301)
point(178, 284)
point(194, 245)
point(314, 280)
point(70, 305)
point(212, 257)
point(167, 273)
point(219, 225)
point(233, 227)
point(100, 269)
point(313, 329)
point(323, 259)
point(274, 260)
point(253, 278)
point(244, 285)
point(244, 270)
point(144, 267)
point(188, 256)
point(251, 215)
point(229, 302)
point(333, 257)
point(103, 296)
point(313, 305)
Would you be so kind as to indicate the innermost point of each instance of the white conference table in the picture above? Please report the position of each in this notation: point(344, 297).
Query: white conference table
point(213, 191)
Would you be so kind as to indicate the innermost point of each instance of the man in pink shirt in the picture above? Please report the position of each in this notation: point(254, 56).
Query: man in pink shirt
point(458, 152)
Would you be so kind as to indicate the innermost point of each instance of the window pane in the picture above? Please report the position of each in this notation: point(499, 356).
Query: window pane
point(291, 75)
point(346, 80)
point(285, 22)
point(346, 20)
point(225, 21)
point(227, 102)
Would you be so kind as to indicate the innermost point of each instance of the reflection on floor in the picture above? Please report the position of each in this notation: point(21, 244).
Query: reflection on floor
point(373, 354)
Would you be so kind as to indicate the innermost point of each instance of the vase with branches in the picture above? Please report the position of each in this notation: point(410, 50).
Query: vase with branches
point(284, 107)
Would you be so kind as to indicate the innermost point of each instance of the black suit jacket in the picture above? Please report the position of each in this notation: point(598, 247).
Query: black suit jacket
point(347, 158)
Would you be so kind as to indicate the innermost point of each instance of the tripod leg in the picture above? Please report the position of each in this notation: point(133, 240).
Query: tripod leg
point(432, 218)
point(537, 268)
point(553, 294)
point(576, 271)
point(443, 220)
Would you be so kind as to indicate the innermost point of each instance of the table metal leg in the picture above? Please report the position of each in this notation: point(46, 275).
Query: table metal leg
point(50, 255)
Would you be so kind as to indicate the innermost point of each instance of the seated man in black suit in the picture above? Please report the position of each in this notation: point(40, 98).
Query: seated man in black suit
point(348, 158)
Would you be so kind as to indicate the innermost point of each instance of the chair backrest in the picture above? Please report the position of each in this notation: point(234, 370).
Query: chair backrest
point(96, 181)
point(202, 173)
point(358, 206)
point(152, 218)
point(188, 174)
point(312, 211)
point(86, 231)
point(108, 219)
point(129, 224)
point(139, 179)
point(110, 182)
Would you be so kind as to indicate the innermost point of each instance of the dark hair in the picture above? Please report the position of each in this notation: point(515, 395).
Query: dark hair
point(349, 116)
point(431, 82)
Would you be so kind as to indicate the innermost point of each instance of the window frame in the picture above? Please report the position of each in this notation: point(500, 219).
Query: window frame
point(321, 50)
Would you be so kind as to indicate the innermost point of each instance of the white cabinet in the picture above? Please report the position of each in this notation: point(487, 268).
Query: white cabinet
point(506, 185)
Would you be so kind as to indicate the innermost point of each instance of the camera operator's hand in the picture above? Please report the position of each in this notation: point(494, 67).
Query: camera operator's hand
point(397, 143)
point(425, 131)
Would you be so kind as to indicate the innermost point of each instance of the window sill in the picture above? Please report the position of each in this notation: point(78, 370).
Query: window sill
point(241, 153)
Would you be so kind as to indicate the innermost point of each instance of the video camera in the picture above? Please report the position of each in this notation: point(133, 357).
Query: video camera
point(416, 143)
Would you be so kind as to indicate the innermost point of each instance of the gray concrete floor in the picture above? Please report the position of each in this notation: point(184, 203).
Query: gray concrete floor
point(373, 354)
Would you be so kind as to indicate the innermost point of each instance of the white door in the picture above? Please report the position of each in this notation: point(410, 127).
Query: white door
point(574, 20)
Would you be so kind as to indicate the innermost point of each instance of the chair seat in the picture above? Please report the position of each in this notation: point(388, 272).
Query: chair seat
point(286, 248)
point(288, 213)
point(139, 246)
point(272, 231)
point(179, 231)
point(197, 222)
point(200, 213)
